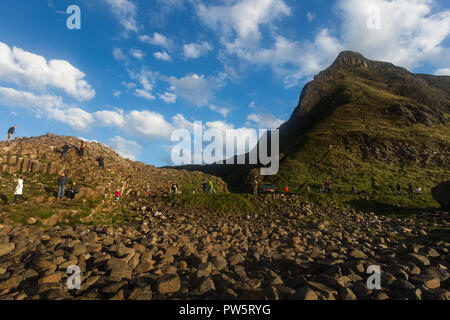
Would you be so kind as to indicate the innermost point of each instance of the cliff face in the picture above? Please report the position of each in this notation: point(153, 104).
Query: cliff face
point(367, 123)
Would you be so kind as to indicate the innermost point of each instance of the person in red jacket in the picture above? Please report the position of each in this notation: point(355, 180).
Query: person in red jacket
point(286, 189)
point(118, 194)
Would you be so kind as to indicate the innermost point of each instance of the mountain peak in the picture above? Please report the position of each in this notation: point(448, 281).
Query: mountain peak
point(351, 58)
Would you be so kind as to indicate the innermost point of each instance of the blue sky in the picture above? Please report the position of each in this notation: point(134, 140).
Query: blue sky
point(137, 70)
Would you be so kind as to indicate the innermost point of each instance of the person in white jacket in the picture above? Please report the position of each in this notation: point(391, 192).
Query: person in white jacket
point(18, 193)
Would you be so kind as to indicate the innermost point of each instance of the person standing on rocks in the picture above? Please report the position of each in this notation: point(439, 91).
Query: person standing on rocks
point(11, 132)
point(308, 189)
point(147, 191)
point(205, 187)
point(174, 188)
point(410, 188)
point(211, 187)
point(255, 187)
point(399, 188)
point(18, 193)
point(82, 148)
point(62, 182)
point(118, 194)
point(73, 191)
point(65, 149)
point(101, 162)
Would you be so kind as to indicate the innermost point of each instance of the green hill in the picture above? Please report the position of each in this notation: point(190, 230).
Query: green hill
point(364, 123)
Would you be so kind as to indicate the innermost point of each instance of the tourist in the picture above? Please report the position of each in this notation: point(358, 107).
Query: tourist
point(18, 193)
point(174, 188)
point(65, 148)
point(211, 187)
point(101, 162)
point(82, 148)
point(118, 194)
point(72, 192)
point(11, 132)
point(62, 181)
point(205, 187)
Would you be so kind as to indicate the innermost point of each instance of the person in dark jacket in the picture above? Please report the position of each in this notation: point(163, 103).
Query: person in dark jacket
point(410, 188)
point(65, 148)
point(399, 188)
point(11, 132)
point(205, 187)
point(62, 182)
point(101, 162)
point(72, 192)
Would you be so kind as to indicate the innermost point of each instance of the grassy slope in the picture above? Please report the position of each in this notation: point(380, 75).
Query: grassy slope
point(324, 154)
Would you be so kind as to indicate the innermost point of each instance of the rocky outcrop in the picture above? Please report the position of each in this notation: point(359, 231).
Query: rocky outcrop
point(441, 193)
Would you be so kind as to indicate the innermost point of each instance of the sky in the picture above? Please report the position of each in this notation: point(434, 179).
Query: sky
point(138, 70)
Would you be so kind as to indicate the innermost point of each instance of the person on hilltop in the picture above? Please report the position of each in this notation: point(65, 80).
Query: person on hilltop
point(118, 194)
point(255, 187)
point(62, 182)
point(101, 162)
point(205, 187)
point(308, 189)
point(65, 149)
point(11, 132)
point(18, 193)
point(73, 191)
point(82, 148)
point(147, 191)
point(211, 187)
point(174, 188)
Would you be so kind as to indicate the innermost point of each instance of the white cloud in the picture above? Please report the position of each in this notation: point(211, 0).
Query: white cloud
point(138, 54)
point(75, 117)
point(147, 86)
point(443, 72)
point(119, 55)
point(168, 97)
point(117, 93)
point(194, 88)
point(144, 94)
point(162, 56)
point(126, 148)
point(158, 40)
point(33, 71)
point(223, 111)
point(110, 118)
point(15, 98)
point(126, 12)
point(286, 61)
point(240, 27)
point(195, 50)
point(241, 20)
point(410, 32)
point(264, 121)
point(310, 16)
point(148, 123)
